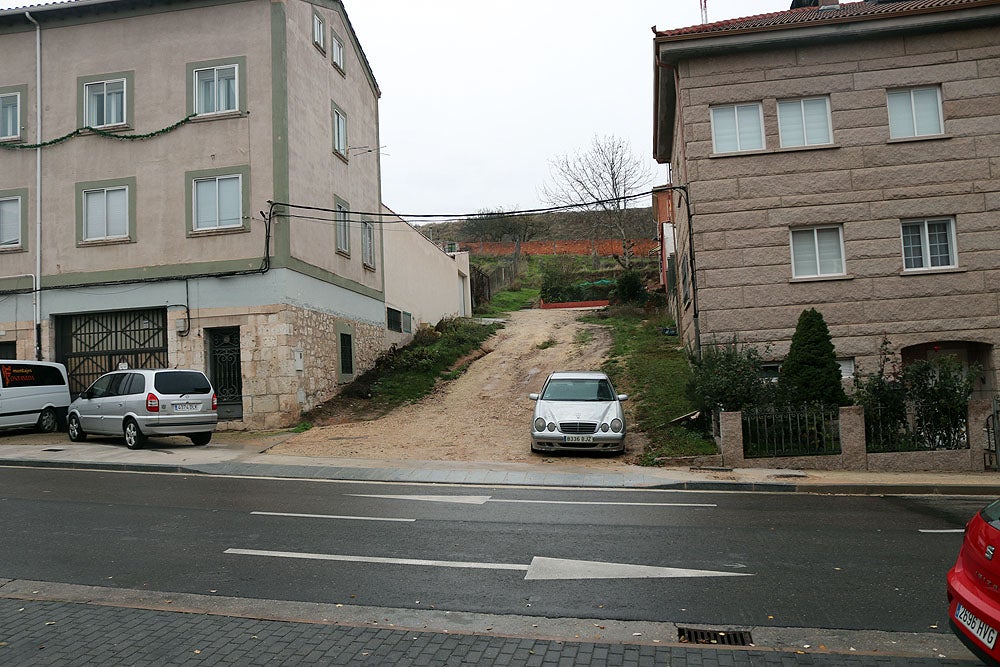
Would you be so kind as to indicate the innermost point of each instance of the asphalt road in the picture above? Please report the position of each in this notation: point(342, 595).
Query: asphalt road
point(855, 563)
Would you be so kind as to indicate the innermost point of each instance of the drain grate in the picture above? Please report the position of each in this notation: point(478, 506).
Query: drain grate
point(717, 637)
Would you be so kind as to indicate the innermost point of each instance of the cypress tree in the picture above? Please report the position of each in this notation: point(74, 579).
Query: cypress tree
point(810, 372)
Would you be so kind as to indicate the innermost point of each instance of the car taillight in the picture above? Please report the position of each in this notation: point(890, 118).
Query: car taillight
point(152, 403)
point(215, 403)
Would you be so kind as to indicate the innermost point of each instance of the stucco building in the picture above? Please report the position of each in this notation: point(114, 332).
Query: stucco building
point(192, 183)
point(844, 157)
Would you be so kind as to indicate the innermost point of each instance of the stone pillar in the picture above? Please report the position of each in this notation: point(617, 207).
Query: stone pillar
point(976, 426)
point(731, 439)
point(853, 448)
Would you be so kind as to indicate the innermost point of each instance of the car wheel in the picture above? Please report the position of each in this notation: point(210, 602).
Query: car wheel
point(47, 422)
point(76, 433)
point(134, 438)
point(201, 438)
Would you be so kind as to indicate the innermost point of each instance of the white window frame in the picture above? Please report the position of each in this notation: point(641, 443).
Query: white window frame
point(820, 273)
point(215, 89)
point(794, 111)
point(197, 224)
point(846, 367)
point(88, 109)
point(368, 244)
point(337, 51)
point(343, 228)
point(15, 121)
point(339, 131)
point(89, 225)
point(926, 260)
point(319, 32)
point(10, 221)
point(908, 125)
point(716, 120)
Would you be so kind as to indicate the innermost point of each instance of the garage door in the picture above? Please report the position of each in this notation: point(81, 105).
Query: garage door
point(92, 344)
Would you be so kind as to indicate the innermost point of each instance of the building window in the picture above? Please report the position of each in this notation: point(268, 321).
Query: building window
point(10, 116)
point(394, 319)
point(216, 89)
point(105, 213)
point(368, 244)
point(343, 228)
point(407, 323)
point(770, 371)
point(346, 354)
point(218, 202)
point(914, 112)
point(337, 46)
point(319, 32)
point(804, 122)
point(846, 367)
point(339, 131)
point(737, 127)
point(105, 103)
point(929, 244)
point(817, 252)
point(10, 222)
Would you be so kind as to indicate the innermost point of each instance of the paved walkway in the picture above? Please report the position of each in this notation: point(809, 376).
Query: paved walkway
point(108, 626)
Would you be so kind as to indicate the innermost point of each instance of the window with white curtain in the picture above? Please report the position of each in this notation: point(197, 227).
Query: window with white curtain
point(804, 122)
point(737, 127)
point(368, 244)
point(818, 251)
point(319, 32)
point(337, 46)
point(914, 112)
point(216, 89)
point(218, 202)
point(10, 222)
point(343, 228)
point(105, 213)
point(10, 116)
point(929, 244)
point(339, 131)
point(104, 103)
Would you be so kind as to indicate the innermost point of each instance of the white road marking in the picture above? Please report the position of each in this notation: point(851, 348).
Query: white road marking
point(333, 516)
point(482, 500)
point(943, 530)
point(540, 568)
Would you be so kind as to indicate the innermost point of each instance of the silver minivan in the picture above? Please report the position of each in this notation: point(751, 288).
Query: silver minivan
point(138, 403)
point(33, 394)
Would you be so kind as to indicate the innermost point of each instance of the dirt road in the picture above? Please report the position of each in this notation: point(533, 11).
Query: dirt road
point(484, 415)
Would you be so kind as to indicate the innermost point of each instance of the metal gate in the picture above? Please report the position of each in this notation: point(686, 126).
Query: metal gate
point(92, 344)
point(992, 438)
point(225, 371)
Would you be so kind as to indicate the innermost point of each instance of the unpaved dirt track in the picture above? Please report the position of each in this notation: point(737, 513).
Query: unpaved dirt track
point(485, 414)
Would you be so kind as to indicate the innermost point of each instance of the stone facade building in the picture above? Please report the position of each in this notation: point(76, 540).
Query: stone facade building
point(844, 157)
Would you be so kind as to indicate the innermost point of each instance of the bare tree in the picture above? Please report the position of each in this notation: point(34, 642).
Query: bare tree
point(604, 178)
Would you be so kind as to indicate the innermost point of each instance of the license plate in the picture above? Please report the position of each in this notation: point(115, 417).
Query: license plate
point(187, 407)
point(986, 634)
point(578, 438)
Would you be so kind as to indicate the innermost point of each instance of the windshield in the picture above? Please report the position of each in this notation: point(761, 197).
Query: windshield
point(578, 390)
point(991, 514)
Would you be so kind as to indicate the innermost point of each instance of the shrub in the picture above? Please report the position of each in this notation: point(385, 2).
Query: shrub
point(728, 377)
point(810, 372)
point(630, 288)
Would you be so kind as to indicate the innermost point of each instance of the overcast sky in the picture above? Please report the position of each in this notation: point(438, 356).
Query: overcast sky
point(479, 96)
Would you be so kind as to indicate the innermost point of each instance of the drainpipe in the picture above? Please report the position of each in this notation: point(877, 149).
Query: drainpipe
point(36, 295)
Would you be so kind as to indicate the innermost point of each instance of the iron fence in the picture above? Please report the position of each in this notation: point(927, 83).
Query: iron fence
point(915, 428)
point(791, 431)
point(990, 460)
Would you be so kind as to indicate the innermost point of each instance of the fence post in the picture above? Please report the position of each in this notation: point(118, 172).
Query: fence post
point(731, 439)
point(853, 445)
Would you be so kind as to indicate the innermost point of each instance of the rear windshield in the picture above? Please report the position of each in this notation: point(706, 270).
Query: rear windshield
point(991, 514)
point(578, 390)
point(181, 382)
point(30, 375)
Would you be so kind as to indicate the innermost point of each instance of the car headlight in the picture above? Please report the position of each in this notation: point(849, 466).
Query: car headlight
point(551, 426)
point(616, 425)
point(604, 428)
point(539, 424)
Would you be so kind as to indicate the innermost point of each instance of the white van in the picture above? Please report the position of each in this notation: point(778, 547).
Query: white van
point(33, 394)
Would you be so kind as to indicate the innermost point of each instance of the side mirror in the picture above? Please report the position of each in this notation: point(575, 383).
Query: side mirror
point(533, 397)
point(622, 397)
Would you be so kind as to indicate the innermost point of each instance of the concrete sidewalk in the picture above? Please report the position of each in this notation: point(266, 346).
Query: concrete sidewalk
point(245, 454)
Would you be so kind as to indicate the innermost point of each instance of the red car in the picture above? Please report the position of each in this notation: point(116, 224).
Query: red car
point(974, 586)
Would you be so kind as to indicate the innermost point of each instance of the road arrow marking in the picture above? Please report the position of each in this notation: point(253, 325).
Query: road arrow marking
point(540, 568)
point(332, 516)
point(482, 500)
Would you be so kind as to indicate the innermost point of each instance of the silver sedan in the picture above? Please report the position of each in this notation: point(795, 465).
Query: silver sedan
point(578, 411)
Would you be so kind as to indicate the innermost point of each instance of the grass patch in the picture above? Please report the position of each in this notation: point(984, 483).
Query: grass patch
point(302, 427)
point(583, 336)
point(653, 369)
point(508, 301)
point(546, 344)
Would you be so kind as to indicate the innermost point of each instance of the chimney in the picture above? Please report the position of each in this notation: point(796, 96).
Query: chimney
point(829, 4)
point(804, 3)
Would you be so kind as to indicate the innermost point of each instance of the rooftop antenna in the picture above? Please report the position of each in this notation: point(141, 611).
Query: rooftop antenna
point(704, 11)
